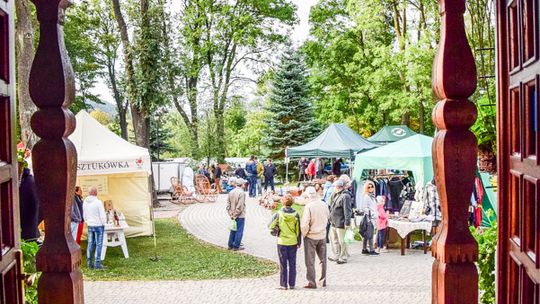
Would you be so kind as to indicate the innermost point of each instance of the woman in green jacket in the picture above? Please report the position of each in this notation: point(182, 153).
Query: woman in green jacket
point(289, 239)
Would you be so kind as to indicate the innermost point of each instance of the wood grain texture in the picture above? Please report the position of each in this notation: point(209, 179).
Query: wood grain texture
point(54, 157)
point(454, 160)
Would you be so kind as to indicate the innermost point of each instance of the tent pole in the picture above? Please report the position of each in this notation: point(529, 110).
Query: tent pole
point(286, 173)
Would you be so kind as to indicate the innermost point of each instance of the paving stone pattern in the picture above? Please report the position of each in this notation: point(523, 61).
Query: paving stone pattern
point(388, 278)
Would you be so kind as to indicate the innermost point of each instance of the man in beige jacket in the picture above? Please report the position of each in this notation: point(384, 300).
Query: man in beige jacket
point(313, 228)
point(236, 208)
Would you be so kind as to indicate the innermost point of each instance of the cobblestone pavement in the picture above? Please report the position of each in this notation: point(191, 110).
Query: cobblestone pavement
point(388, 278)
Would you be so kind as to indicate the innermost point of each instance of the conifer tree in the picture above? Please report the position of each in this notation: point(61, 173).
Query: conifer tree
point(292, 121)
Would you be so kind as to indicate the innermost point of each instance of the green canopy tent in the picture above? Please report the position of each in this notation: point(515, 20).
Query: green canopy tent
point(338, 140)
point(389, 134)
point(411, 154)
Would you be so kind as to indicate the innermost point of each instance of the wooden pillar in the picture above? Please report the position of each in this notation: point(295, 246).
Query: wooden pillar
point(54, 158)
point(455, 277)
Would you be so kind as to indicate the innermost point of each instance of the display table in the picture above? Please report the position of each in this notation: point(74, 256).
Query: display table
point(404, 228)
point(114, 236)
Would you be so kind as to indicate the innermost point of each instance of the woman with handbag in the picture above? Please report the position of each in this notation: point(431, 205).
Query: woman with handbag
point(285, 225)
point(369, 204)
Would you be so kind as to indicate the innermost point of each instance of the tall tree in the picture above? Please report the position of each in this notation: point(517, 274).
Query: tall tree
point(235, 33)
point(25, 56)
point(83, 46)
point(142, 60)
point(291, 120)
point(109, 39)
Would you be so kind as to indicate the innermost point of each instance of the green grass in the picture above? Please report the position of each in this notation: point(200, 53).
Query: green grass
point(182, 257)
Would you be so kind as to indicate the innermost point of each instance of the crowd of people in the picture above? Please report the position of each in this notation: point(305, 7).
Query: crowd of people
point(328, 217)
point(315, 168)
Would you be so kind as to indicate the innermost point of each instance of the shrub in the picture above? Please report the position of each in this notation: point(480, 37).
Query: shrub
point(487, 245)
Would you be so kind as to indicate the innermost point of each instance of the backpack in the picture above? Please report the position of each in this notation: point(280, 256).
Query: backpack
point(366, 227)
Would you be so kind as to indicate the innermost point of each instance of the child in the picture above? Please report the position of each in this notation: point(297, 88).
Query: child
point(382, 224)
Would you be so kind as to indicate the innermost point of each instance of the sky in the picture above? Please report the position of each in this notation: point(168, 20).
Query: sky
point(299, 35)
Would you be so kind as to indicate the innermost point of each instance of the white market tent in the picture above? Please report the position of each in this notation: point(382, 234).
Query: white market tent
point(120, 170)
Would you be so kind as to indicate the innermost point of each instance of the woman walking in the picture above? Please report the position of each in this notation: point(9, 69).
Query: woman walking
point(287, 221)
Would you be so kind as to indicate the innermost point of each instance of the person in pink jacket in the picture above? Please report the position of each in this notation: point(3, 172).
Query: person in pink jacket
point(382, 224)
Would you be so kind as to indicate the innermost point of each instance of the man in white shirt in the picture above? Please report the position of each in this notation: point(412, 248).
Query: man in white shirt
point(95, 218)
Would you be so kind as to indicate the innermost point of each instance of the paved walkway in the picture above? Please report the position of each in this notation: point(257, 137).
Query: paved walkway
point(388, 278)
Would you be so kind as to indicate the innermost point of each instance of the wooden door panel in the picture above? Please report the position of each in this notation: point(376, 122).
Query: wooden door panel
point(10, 256)
point(518, 146)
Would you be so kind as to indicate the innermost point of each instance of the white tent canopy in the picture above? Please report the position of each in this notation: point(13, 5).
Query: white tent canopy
point(100, 151)
point(119, 169)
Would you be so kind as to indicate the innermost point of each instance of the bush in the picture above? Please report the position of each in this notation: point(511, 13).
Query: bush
point(29, 251)
point(487, 245)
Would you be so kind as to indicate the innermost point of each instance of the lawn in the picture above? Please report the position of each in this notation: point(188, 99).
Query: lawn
point(181, 257)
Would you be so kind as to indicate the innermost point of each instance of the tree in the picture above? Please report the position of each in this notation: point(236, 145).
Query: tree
point(291, 121)
point(102, 117)
point(236, 33)
point(108, 37)
point(160, 133)
point(25, 56)
point(359, 72)
point(143, 64)
point(82, 46)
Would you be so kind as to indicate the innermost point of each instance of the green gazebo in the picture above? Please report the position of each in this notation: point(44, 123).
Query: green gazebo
point(390, 134)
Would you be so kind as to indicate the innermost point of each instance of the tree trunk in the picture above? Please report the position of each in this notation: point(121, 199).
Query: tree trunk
point(220, 136)
point(141, 126)
point(405, 118)
point(25, 57)
point(421, 115)
point(120, 106)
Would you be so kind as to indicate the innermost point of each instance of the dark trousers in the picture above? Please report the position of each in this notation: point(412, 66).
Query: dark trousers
point(235, 237)
point(252, 185)
point(312, 247)
point(287, 265)
point(269, 181)
point(381, 238)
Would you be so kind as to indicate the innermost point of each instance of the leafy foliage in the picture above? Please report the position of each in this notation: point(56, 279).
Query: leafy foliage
point(487, 247)
point(29, 265)
point(83, 47)
point(291, 121)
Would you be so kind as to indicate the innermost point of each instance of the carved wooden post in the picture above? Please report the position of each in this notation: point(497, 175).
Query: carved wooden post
point(54, 157)
point(455, 277)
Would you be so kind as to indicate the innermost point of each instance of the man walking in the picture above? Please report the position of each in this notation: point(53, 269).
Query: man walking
point(313, 227)
point(340, 220)
point(269, 173)
point(236, 208)
point(95, 218)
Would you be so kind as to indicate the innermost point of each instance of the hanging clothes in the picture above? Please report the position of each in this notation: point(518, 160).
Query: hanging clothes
point(395, 186)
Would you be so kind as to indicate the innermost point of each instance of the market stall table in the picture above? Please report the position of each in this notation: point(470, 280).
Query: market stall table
point(404, 228)
point(114, 236)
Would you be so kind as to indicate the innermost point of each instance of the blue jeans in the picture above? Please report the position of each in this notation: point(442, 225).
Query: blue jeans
point(252, 185)
point(235, 237)
point(95, 241)
point(259, 186)
point(74, 228)
point(381, 238)
point(287, 259)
